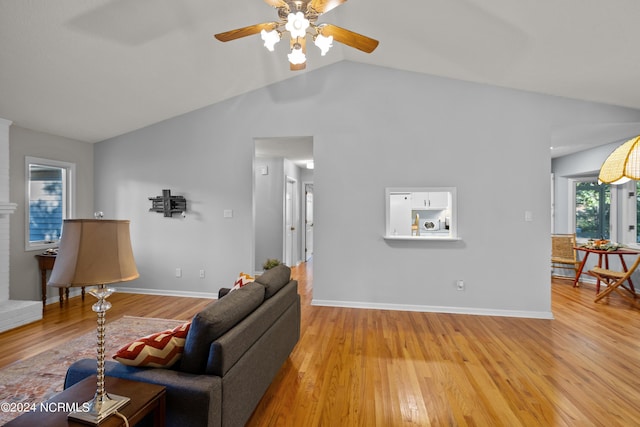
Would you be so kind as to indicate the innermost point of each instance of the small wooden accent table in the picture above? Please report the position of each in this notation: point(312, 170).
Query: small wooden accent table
point(145, 398)
point(603, 254)
point(46, 262)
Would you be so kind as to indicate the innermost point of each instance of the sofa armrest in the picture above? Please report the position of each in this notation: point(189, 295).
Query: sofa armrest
point(192, 400)
point(223, 291)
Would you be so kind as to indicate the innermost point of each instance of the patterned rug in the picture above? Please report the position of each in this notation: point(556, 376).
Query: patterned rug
point(38, 378)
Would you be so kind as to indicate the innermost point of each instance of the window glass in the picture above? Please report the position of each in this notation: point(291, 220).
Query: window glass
point(593, 208)
point(48, 199)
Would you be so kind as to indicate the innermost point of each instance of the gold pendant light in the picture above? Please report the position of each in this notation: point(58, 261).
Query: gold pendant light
point(623, 164)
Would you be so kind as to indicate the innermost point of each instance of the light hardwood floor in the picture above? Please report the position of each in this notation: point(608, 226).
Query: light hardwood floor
point(356, 367)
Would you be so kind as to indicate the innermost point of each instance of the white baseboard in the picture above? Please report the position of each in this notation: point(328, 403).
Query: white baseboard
point(165, 292)
point(54, 296)
point(436, 309)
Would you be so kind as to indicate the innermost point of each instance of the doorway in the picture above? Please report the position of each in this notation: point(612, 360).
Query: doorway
point(282, 167)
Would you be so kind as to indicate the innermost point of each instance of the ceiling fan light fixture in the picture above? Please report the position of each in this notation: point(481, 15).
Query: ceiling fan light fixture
point(297, 56)
point(270, 38)
point(323, 43)
point(297, 24)
point(299, 18)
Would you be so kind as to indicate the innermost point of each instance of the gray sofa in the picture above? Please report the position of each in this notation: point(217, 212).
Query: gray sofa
point(234, 349)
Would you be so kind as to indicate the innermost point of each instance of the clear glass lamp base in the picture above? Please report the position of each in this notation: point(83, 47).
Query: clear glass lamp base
point(97, 411)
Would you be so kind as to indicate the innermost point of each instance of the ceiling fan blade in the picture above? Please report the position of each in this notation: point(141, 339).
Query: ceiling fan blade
point(245, 31)
point(324, 6)
point(358, 41)
point(276, 3)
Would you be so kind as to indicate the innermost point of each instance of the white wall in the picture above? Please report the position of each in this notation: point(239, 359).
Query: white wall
point(377, 128)
point(25, 276)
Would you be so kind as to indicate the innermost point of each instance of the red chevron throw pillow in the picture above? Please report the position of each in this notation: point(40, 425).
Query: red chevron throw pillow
point(160, 350)
point(243, 279)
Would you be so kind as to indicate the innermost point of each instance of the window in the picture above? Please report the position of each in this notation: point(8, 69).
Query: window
point(49, 195)
point(592, 210)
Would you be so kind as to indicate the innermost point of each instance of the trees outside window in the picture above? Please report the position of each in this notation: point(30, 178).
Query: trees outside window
point(593, 210)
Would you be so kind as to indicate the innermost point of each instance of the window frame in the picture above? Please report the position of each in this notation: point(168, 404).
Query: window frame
point(628, 217)
point(613, 207)
point(69, 191)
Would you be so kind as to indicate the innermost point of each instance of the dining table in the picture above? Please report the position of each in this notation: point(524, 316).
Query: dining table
point(603, 255)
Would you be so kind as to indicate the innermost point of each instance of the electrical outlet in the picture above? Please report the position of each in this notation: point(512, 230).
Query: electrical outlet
point(460, 285)
point(178, 272)
point(202, 274)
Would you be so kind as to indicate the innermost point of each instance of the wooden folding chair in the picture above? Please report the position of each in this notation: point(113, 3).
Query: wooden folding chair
point(563, 254)
point(614, 280)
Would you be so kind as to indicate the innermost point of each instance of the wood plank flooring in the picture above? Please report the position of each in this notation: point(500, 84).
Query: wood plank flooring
point(356, 367)
point(74, 318)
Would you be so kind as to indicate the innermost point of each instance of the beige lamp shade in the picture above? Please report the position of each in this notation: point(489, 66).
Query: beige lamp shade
point(94, 252)
point(623, 164)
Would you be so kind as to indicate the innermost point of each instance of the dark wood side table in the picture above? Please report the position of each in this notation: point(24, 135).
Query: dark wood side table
point(145, 398)
point(46, 262)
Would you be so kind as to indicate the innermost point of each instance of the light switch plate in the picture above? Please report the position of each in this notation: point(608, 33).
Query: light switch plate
point(228, 213)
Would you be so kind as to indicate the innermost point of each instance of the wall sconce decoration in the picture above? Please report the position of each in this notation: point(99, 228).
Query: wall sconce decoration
point(168, 204)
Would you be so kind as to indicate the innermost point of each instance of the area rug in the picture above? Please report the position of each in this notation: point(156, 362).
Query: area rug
point(38, 378)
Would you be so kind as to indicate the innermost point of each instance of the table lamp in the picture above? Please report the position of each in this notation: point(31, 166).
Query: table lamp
point(95, 252)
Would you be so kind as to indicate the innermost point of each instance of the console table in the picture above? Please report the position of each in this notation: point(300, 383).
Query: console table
point(146, 398)
point(46, 262)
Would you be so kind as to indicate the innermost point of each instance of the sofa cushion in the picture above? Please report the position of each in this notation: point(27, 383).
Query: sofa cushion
point(215, 320)
point(274, 279)
point(159, 350)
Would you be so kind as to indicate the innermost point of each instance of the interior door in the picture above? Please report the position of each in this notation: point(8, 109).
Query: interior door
point(308, 221)
point(289, 223)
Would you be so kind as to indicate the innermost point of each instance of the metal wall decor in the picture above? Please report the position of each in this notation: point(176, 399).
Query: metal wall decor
point(168, 204)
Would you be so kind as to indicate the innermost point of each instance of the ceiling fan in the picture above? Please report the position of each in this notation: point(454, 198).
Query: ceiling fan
point(299, 17)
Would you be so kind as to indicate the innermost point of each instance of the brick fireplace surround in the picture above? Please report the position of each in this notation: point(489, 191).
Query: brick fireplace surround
point(13, 313)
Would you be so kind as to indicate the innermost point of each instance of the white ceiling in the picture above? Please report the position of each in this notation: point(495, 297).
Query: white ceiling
point(93, 69)
point(298, 150)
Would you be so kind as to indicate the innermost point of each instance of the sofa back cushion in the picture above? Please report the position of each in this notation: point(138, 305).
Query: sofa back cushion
point(228, 349)
point(216, 319)
point(274, 279)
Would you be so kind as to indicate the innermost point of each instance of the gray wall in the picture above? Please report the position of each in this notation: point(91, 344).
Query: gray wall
point(24, 274)
point(377, 128)
point(269, 193)
point(269, 208)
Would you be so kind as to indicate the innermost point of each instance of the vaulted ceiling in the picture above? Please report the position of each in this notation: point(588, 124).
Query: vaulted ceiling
point(93, 69)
